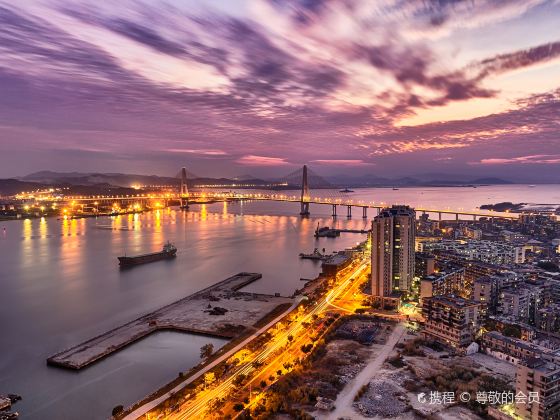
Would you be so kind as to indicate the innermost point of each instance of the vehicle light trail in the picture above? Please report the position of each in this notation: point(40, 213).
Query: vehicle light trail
point(198, 409)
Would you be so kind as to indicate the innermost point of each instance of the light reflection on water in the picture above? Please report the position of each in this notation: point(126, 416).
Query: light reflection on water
point(60, 284)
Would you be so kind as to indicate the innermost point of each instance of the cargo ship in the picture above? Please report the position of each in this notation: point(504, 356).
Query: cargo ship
point(168, 251)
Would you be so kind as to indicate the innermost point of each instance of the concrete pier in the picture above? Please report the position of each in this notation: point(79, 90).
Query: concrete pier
point(220, 310)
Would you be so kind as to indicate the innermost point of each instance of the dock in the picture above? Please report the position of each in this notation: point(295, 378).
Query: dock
point(220, 310)
point(328, 232)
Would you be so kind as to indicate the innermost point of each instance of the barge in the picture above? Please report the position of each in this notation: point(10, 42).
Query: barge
point(168, 251)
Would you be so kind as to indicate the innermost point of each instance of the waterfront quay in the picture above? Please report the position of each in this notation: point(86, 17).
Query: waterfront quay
point(221, 310)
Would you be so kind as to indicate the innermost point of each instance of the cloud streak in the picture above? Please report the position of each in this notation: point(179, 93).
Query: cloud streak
point(267, 84)
point(524, 160)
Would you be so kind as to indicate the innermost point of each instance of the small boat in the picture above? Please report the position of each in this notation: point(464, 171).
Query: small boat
point(532, 186)
point(395, 189)
point(168, 251)
point(346, 190)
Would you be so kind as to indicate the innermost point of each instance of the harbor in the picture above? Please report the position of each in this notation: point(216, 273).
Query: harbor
point(221, 310)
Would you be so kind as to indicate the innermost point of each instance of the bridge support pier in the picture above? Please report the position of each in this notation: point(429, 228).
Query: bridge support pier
point(349, 212)
point(184, 201)
point(304, 209)
point(439, 215)
point(334, 210)
point(304, 194)
point(364, 212)
point(474, 217)
point(456, 217)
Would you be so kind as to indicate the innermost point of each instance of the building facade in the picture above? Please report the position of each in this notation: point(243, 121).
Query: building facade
point(450, 320)
point(539, 382)
point(392, 252)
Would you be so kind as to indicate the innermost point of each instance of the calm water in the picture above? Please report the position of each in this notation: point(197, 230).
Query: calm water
point(60, 285)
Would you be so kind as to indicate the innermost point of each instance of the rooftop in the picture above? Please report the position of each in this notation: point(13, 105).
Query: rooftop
point(454, 301)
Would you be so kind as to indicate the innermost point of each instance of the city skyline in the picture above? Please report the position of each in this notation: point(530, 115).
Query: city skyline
point(263, 87)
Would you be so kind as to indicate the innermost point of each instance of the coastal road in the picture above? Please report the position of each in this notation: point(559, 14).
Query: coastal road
point(140, 411)
point(196, 409)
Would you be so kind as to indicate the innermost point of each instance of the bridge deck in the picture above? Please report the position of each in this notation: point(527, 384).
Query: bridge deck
point(291, 199)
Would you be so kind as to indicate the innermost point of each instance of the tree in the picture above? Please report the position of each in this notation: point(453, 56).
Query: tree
point(117, 410)
point(287, 365)
point(238, 407)
point(263, 384)
point(306, 348)
point(239, 379)
point(548, 266)
point(512, 331)
point(206, 351)
point(279, 372)
point(290, 338)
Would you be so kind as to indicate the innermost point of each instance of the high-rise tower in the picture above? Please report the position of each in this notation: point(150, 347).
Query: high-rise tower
point(392, 252)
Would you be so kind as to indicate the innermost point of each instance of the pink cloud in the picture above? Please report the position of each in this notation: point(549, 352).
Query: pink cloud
point(531, 159)
point(209, 152)
point(254, 160)
point(342, 162)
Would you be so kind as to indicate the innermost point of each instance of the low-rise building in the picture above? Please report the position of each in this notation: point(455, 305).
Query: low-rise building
point(449, 282)
point(486, 251)
point(450, 320)
point(520, 301)
point(516, 237)
point(537, 386)
point(335, 263)
point(424, 264)
point(515, 350)
point(501, 324)
point(472, 233)
point(548, 319)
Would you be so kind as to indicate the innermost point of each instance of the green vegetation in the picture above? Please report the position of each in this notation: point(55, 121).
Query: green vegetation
point(117, 410)
point(512, 331)
point(548, 266)
point(206, 351)
point(396, 361)
point(239, 379)
point(306, 348)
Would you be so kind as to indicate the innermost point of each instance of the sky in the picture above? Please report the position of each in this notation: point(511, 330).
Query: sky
point(387, 87)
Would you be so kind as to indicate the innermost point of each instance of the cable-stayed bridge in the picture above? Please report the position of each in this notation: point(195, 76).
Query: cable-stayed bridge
point(311, 189)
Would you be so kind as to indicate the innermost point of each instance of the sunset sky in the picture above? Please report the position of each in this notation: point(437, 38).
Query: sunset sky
point(232, 87)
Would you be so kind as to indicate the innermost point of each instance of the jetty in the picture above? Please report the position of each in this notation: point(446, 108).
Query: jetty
point(221, 310)
point(315, 255)
point(327, 232)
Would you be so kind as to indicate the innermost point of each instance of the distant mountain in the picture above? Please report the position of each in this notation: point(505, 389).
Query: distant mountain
point(493, 181)
point(15, 186)
point(104, 180)
point(245, 177)
point(370, 180)
point(10, 187)
point(125, 180)
point(117, 179)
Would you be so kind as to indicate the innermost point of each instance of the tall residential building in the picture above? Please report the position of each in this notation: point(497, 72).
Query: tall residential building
point(392, 252)
point(538, 382)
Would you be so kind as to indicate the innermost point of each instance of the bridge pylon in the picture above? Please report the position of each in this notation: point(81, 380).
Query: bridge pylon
point(184, 193)
point(305, 198)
